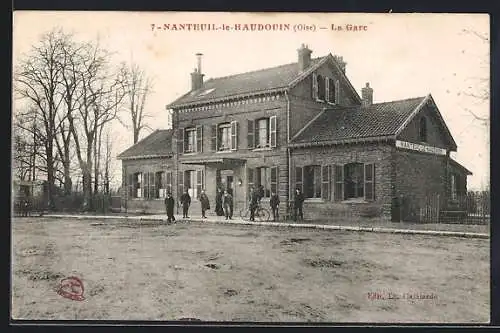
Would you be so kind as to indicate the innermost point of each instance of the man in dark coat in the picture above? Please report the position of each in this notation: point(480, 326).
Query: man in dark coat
point(297, 205)
point(185, 202)
point(228, 205)
point(254, 203)
point(205, 203)
point(219, 210)
point(169, 205)
point(274, 202)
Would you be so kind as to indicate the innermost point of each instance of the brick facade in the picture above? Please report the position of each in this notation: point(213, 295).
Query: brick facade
point(388, 173)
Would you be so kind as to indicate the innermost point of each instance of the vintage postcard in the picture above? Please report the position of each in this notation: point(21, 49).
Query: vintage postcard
point(250, 167)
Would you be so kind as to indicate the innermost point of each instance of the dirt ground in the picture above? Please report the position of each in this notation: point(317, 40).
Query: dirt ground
point(245, 273)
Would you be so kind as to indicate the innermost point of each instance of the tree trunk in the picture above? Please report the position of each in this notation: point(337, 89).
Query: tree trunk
point(50, 178)
point(136, 135)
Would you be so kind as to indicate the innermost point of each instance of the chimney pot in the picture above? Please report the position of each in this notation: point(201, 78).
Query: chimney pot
point(304, 58)
point(196, 75)
point(367, 95)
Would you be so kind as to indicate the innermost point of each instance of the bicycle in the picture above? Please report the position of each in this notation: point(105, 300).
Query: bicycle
point(261, 214)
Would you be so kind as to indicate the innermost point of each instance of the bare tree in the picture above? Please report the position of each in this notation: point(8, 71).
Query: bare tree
point(100, 93)
point(138, 86)
point(37, 80)
point(481, 84)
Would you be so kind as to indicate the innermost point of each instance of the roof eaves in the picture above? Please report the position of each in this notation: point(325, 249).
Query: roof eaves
point(467, 171)
point(342, 141)
point(140, 157)
point(223, 98)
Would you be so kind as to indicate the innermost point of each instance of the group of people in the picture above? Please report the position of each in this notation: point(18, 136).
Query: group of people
point(224, 204)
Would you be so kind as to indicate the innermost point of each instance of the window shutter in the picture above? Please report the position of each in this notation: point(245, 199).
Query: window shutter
point(250, 134)
point(273, 130)
point(213, 138)
point(327, 89)
point(337, 92)
point(339, 182)
point(314, 87)
point(131, 186)
point(234, 135)
point(180, 183)
point(180, 140)
point(168, 185)
point(199, 182)
point(152, 185)
point(325, 182)
point(369, 181)
point(274, 179)
point(199, 139)
point(299, 175)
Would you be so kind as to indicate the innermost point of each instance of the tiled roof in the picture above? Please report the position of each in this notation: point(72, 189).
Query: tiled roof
point(377, 120)
point(156, 144)
point(244, 83)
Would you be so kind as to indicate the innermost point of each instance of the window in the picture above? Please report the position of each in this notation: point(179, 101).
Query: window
point(325, 89)
point(423, 130)
point(192, 139)
point(264, 180)
point(353, 179)
point(267, 177)
point(134, 185)
point(312, 181)
point(192, 180)
point(224, 136)
point(262, 133)
point(163, 184)
point(149, 185)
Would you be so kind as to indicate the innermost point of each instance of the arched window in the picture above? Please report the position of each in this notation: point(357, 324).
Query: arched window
point(423, 130)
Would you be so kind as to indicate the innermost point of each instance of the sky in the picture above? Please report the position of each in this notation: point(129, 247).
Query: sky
point(400, 55)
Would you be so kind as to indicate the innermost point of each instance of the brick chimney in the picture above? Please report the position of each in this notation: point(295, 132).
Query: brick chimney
point(196, 75)
point(340, 61)
point(367, 95)
point(304, 57)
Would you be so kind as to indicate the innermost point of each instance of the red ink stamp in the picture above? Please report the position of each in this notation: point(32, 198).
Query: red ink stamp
point(71, 288)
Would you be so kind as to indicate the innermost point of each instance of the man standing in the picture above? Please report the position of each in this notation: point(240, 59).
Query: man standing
point(205, 203)
point(297, 205)
point(185, 202)
point(169, 205)
point(274, 202)
point(228, 205)
point(254, 203)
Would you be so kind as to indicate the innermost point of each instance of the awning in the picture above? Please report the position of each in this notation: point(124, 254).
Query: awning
point(219, 160)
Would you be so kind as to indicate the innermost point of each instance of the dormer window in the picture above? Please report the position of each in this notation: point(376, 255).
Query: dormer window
point(423, 130)
point(325, 89)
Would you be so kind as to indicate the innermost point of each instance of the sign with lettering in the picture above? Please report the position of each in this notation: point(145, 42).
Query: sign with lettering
point(420, 148)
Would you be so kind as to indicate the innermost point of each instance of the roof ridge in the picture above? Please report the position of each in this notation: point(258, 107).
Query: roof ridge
point(259, 70)
point(400, 100)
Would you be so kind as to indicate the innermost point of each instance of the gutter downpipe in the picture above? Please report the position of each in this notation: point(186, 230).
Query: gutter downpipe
point(289, 153)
